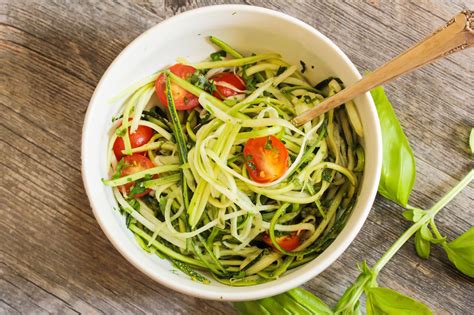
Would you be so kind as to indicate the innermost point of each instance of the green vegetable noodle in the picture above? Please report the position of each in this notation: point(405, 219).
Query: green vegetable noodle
point(214, 177)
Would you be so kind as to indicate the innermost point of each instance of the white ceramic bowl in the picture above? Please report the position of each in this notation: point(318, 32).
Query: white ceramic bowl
point(248, 29)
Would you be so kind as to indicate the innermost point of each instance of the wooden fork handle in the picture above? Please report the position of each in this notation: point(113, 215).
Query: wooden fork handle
point(455, 36)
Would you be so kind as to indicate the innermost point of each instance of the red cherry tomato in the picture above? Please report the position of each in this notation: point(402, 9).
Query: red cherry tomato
point(140, 137)
point(228, 78)
point(266, 159)
point(133, 164)
point(183, 100)
point(288, 242)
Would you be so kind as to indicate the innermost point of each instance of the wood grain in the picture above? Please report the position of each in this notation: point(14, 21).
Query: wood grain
point(53, 256)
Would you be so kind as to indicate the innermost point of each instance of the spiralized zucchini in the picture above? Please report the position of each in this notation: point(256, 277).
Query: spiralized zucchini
point(204, 212)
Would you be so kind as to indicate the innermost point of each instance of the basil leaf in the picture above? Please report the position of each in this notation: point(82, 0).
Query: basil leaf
point(357, 310)
point(295, 301)
point(366, 279)
point(310, 301)
point(398, 165)
point(413, 214)
point(422, 246)
point(250, 308)
point(216, 56)
point(118, 169)
point(425, 233)
point(388, 301)
point(461, 252)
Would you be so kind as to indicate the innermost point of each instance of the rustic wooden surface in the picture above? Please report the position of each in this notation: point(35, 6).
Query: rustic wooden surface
point(53, 255)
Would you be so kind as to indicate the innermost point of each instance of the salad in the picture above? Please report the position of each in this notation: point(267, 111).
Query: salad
point(211, 175)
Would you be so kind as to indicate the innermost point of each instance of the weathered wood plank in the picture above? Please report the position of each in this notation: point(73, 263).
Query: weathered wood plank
point(53, 256)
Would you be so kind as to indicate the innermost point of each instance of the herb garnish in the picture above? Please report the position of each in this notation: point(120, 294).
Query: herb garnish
point(218, 55)
point(280, 70)
point(303, 66)
point(118, 169)
point(250, 81)
point(199, 79)
point(326, 175)
point(252, 166)
point(137, 188)
point(268, 144)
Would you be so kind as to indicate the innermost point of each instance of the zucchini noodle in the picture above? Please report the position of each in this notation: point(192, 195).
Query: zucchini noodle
point(197, 202)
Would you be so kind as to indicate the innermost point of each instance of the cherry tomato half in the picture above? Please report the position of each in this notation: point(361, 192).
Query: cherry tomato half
point(183, 100)
point(266, 159)
point(140, 137)
point(227, 78)
point(287, 242)
point(133, 164)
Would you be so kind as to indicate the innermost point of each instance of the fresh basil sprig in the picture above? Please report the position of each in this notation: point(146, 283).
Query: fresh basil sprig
point(398, 177)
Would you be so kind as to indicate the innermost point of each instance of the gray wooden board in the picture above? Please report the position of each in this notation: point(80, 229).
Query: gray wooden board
point(54, 257)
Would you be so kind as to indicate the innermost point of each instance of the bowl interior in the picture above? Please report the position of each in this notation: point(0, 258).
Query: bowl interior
point(248, 29)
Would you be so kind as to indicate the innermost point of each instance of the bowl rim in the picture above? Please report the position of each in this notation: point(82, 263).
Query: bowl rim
point(241, 293)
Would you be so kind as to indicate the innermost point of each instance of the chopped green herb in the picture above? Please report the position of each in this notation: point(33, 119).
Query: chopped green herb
point(250, 81)
point(118, 169)
point(216, 56)
point(324, 83)
point(280, 70)
point(199, 79)
point(137, 188)
point(326, 175)
point(211, 86)
point(115, 118)
point(303, 66)
point(252, 166)
point(268, 144)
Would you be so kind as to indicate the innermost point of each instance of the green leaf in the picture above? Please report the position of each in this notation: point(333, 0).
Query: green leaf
point(310, 301)
point(425, 232)
point(398, 164)
point(216, 56)
point(280, 70)
point(461, 252)
point(422, 246)
point(413, 214)
point(137, 188)
point(349, 302)
point(471, 141)
point(250, 308)
point(296, 301)
point(388, 301)
point(118, 169)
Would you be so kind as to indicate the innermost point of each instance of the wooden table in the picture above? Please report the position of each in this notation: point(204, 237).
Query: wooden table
point(53, 255)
